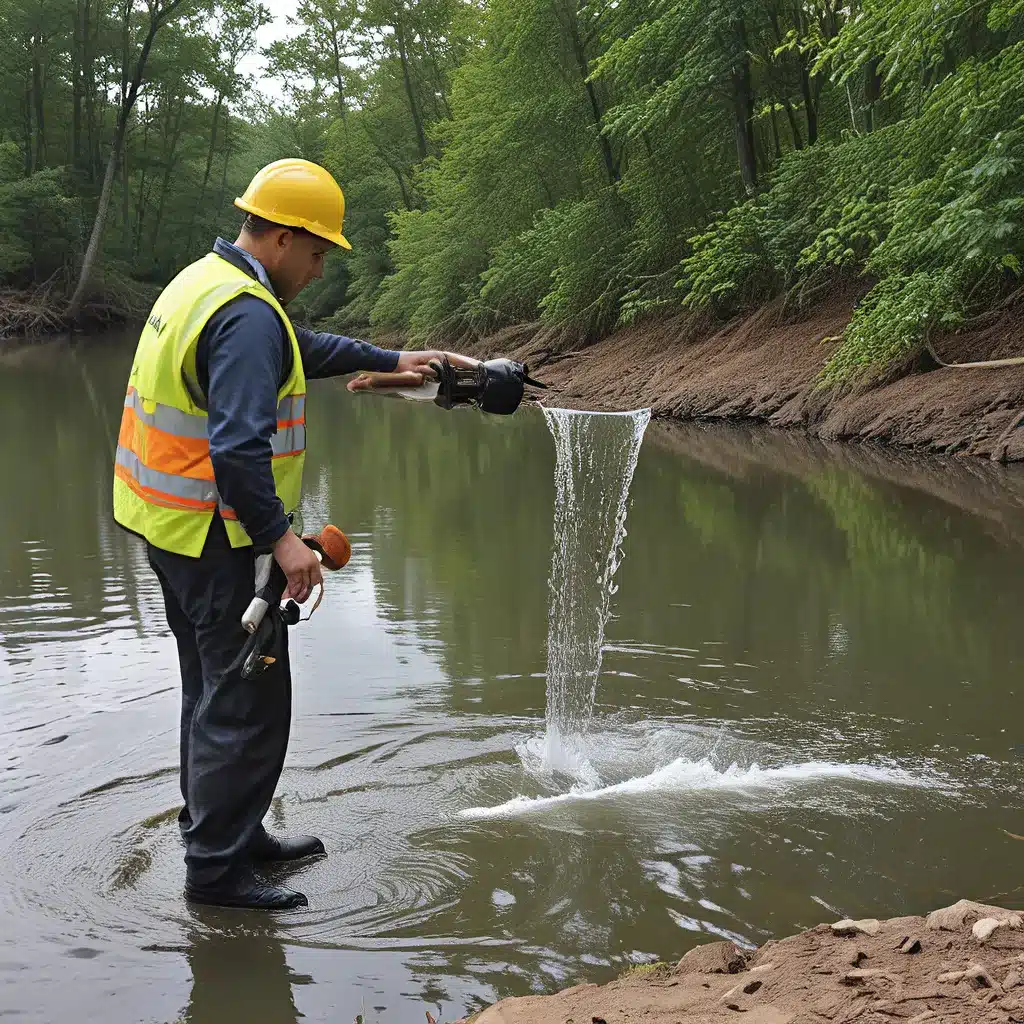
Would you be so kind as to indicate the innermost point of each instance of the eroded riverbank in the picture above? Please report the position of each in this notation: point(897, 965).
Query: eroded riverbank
point(766, 367)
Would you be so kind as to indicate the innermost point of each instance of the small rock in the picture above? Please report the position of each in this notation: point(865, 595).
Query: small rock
point(869, 926)
point(1012, 980)
point(858, 958)
point(965, 912)
point(752, 986)
point(858, 977)
point(713, 958)
point(909, 946)
point(735, 1006)
point(984, 928)
point(978, 977)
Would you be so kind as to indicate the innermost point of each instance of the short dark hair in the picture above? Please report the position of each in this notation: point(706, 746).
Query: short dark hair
point(259, 226)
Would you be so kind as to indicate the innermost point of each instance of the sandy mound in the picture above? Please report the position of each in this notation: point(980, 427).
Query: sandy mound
point(961, 965)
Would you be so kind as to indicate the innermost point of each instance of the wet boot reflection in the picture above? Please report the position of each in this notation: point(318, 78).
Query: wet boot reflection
point(239, 972)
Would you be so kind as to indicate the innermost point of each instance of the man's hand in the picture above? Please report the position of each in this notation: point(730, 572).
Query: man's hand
point(299, 564)
point(419, 362)
point(412, 369)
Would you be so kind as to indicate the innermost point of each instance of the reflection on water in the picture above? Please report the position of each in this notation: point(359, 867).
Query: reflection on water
point(802, 711)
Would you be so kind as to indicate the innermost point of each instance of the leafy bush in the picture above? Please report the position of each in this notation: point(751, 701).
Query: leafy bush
point(564, 270)
point(930, 208)
point(40, 224)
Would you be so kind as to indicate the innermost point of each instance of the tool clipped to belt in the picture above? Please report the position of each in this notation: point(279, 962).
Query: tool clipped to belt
point(334, 550)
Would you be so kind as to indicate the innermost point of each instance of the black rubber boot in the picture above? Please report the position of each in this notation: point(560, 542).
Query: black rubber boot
point(266, 848)
point(242, 888)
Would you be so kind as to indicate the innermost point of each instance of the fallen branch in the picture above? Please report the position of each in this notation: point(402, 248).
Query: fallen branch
point(988, 364)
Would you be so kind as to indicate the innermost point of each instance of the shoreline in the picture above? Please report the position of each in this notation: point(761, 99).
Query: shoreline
point(762, 367)
point(765, 366)
point(32, 316)
point(963, 964)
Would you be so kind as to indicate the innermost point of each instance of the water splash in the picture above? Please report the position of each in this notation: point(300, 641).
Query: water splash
point(596, 457)
point(684, 776)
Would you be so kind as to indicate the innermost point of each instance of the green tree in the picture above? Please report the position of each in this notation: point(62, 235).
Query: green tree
point(138, 43)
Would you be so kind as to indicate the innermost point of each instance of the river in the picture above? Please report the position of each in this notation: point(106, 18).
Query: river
point(811, 660)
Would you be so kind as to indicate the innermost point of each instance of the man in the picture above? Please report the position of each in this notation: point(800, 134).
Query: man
point(208, 470)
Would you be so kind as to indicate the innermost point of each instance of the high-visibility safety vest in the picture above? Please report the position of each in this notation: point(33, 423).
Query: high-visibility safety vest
point(164, 485)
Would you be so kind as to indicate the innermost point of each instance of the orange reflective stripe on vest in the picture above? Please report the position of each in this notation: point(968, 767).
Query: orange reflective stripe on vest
point(166, 440)
point(163, 454)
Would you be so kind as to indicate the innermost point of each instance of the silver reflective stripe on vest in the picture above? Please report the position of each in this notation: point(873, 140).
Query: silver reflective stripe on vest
point(291, 408)
point(166, 483)
point(166, 418)
point(291, 439)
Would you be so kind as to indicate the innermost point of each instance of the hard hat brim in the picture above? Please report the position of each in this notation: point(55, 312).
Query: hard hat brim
point(295, 222)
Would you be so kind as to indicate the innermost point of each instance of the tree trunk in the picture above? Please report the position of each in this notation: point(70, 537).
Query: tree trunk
point(775, 133)
point(172, 159)
point(28, 147)
point(401, 184)
point(810, 107)
point(128, 97)
point(197, 209)
point(224, 170)
point(88, 59)
point(439, 78)
point(140, 206)
point(421, 138)
point(92, 252)
point(798, 141)
point(77, 48)
point(872, 91)
point(38, 101)
point(743, 118)
point(610, 166)
point(126, 202)
point(339, 81)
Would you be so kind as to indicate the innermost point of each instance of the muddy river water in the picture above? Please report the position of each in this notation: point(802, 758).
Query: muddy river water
point(807, 708)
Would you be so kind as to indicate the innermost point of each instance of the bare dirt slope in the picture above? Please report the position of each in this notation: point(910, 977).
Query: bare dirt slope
point(960, 965)
point(766, 366)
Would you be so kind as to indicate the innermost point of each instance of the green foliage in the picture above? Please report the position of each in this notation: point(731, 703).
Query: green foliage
point(424, 292)
point(40, 223)
point(580, 164)
point(929, 207)
point(565, 269)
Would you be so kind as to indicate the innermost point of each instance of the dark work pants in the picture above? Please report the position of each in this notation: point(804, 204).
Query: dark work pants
point(234, 731)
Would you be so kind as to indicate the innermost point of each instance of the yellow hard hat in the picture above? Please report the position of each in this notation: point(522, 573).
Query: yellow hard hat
point(298, 194)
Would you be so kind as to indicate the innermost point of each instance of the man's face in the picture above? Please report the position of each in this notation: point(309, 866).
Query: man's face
point(298, 258)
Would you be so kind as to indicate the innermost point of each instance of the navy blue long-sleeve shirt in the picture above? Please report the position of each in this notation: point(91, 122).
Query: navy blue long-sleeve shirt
point(242, 359)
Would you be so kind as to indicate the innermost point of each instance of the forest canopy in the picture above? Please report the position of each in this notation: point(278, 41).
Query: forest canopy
point(580, 164)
